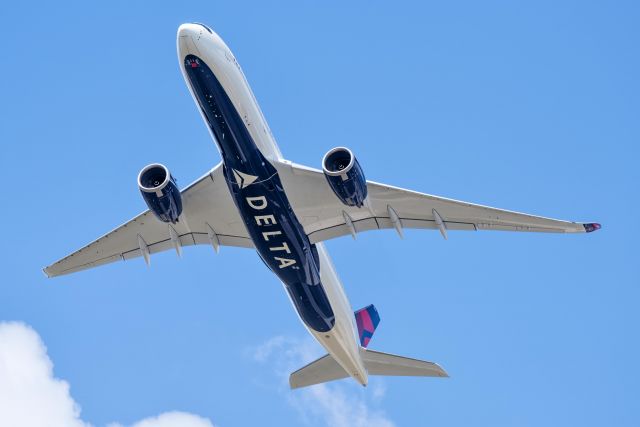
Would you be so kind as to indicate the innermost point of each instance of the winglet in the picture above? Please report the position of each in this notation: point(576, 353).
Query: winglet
point(591, 226)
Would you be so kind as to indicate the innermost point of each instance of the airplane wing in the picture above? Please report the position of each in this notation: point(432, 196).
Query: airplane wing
point(324, 217)
point(209, 217)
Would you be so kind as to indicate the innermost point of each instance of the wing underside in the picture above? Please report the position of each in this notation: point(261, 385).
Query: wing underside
point(325, 217)
point(209, 217)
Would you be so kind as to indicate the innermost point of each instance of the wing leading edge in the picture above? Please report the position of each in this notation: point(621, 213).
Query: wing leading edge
point(325, 217)
point(209, 217)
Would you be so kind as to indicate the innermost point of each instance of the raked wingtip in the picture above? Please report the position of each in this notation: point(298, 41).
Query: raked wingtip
point(591, 227)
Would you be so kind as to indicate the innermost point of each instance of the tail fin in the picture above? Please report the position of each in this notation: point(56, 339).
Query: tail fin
point(367, 320)
point(377, 363)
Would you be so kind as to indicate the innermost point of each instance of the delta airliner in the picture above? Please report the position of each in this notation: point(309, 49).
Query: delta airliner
point(255, 198)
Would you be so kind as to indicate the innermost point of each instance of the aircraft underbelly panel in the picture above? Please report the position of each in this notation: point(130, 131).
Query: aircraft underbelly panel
point(258, 193)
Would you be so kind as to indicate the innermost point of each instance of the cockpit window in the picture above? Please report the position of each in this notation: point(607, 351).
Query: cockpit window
point(205, 27)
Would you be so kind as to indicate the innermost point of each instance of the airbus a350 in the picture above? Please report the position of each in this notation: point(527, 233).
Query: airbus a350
point(256, 198)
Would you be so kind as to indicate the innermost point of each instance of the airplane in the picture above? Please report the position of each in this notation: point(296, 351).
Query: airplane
point(255, 198)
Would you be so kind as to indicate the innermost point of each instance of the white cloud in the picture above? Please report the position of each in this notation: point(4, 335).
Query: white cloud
point(338, 404)
point(264, 351)
point(30, 396)
point(172, 419)
point(378, 391)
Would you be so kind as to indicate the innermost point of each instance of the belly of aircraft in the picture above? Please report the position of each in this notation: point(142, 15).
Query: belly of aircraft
point(261, 200)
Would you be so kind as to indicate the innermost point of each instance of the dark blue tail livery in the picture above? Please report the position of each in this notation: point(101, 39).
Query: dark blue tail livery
point(367, 320)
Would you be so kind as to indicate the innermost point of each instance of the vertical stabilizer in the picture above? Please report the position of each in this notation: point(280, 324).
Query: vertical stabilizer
point(367, 320)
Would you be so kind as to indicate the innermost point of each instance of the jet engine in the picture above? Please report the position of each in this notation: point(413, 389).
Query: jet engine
point(160, 192)
point(345, 176)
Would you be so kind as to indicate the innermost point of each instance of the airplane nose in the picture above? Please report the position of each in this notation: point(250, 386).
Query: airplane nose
point(189, 30)
point(193, 29)
point(208, 29)
point(197, 31)
point(189, 38)
point(201, 41)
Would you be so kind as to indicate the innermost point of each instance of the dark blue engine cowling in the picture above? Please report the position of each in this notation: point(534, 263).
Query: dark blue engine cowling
point(345, 176)
point(160, 192)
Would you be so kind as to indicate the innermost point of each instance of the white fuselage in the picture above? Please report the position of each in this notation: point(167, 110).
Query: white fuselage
point(195, 39)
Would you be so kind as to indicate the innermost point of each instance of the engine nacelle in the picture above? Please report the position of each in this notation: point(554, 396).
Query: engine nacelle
point(345, 176)
point(160, 192)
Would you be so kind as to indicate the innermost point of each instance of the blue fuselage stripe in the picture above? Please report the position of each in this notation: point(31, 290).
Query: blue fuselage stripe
point(260, 198)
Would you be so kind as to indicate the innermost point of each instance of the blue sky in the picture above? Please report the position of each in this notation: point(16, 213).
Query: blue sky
point(531, 107)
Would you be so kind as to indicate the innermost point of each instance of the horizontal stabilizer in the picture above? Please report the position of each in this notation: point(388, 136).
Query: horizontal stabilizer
point(320, 371)
point(327, 369)
point(378, 363)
